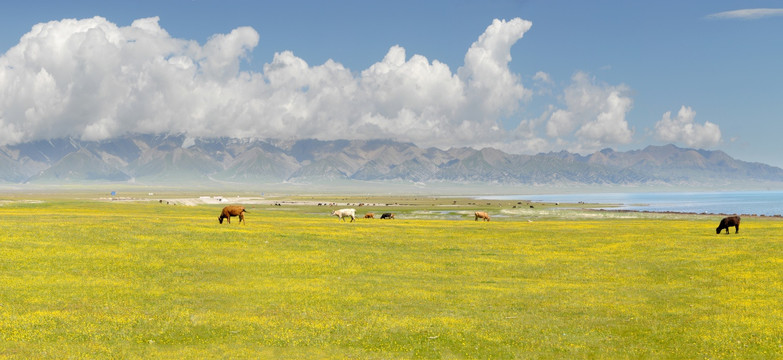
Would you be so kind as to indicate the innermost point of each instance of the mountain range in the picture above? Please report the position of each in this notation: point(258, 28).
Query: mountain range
point(165, 159)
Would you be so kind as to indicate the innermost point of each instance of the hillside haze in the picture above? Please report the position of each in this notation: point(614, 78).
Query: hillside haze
point(164, 159)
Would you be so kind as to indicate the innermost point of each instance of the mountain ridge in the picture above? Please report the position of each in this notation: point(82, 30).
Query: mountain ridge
point(168, 158)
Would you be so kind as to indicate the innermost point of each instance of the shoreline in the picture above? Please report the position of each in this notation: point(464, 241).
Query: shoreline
point(198, 198)
point(776, 216)
point(290, 201)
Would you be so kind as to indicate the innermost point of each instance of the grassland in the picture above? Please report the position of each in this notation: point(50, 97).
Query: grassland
point(115, 279)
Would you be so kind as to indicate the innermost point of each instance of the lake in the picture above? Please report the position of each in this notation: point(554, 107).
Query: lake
point(740, 202)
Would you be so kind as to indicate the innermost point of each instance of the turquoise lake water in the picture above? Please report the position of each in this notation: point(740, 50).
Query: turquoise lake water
point(767, 203)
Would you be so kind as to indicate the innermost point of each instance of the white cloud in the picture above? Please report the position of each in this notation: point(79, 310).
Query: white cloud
point(525, 139)
point(594, 116)
point(221, 54)
point(542, 77)
point(543, 83)
point(491, 85)
point(93, 79)
point(682, 129)
point(747, 14)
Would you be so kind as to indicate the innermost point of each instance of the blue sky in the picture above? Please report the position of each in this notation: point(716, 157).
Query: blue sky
point(522, 76)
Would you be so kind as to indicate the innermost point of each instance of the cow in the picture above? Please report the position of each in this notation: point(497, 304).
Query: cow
point(345, 213)
point(233, 210)
point(482, 215)
point(387, 216)
point(728, 222)
point(369, 216)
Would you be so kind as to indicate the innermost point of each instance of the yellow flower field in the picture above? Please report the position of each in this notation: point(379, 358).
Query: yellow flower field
point(92, 279)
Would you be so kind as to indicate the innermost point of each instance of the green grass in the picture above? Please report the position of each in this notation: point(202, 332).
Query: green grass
point(85, 279)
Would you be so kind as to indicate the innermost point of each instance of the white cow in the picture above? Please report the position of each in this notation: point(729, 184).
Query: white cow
point(345, 212)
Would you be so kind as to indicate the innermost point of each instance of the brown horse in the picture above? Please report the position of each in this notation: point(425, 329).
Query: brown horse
point(482, 215)
point(233, 210)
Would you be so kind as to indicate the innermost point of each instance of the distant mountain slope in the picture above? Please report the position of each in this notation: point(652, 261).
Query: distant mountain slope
point(80, 165)
point(177, 159)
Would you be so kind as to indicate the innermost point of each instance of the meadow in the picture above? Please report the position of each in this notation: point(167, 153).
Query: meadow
point(124, 279)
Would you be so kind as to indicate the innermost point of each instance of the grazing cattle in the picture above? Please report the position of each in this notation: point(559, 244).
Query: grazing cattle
point(345, 213)
point(728, 222)
point(387, 216)
point(482, 215)
point(233, 210)
point(369, 216)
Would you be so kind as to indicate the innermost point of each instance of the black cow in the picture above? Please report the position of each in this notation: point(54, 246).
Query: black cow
point(387, 216)
point(728, 222)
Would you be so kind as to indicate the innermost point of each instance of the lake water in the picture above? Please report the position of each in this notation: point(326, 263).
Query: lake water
point(741, 202)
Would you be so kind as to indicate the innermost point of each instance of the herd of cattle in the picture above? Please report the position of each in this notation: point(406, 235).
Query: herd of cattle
point(344, 213)
point(238, 210)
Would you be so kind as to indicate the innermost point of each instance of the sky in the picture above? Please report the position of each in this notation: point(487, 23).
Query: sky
point(521, 76)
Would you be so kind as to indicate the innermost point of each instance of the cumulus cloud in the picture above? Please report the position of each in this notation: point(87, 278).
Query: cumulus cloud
point(92, 79)
point(593, 117)
point(490, 83)
point(747, 14)
point(682, 129)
